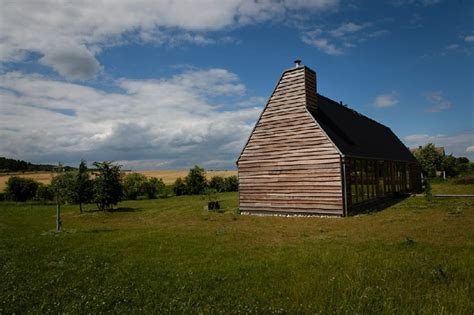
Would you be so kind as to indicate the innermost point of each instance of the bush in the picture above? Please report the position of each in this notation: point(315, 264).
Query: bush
point(155, 187)
point(217, 183)
point(134, 185)
point(44, 193)
point(21, 189)
point(196, 182)
point(428, 191)
point(232, 183)
point(3, 196)
point(107, 185)
point(179, 187)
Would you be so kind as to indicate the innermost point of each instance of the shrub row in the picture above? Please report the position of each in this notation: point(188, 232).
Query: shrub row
point(109, 186)
point(196, 183)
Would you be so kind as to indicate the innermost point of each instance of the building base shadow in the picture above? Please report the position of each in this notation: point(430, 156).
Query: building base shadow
point(377, 205)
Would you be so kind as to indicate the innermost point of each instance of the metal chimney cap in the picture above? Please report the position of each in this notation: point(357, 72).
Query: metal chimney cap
point(297, 63)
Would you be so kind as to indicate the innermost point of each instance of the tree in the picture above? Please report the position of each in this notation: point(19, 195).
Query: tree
point(83, 185)
point(134, 185)
point(108, 190)
point(429, 159)
point(21, 189)
point(448, 164)
point(62, 186)
point(179, 187)
point(153, 187)
point(196, 181)
point(44, 193)
point(217, 183)
point(231, 183)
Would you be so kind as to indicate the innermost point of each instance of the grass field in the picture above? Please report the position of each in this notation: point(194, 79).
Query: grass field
point(172, 256)
point(168, 176)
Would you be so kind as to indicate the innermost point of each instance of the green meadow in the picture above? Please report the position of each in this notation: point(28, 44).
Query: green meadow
point(172, 256)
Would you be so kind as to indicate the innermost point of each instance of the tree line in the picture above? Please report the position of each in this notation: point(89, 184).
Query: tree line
point(12, 165)
point(106, 185)
point(431, 161)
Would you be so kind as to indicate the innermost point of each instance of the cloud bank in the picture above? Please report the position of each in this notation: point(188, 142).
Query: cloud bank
point(173, 122)
point(69, 35)
point(460, 144)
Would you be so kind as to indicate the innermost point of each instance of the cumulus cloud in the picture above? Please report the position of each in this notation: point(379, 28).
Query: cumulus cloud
point(456, 144)
point(438, 102)
point(337, 40)
point(175, 121)
point(470, 148)
point(76, 63)
point(84, 27)
point(385, 100)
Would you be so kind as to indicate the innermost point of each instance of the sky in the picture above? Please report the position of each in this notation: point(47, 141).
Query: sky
point(169, 84)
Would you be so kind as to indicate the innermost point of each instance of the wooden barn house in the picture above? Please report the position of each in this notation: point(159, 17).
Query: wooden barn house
point(310, 155)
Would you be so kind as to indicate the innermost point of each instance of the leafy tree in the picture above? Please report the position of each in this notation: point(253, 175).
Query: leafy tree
point(179, 187)
point(62, 186)
point(217, 183)
point(463, 166)
point(429, 159)
point(196, 181)
point(44, 193)
point(154, 187)
point(108, 189)
point(134, 185)
point(21, 189)
point(232, 183)
point(448, 164)
point(83, 185)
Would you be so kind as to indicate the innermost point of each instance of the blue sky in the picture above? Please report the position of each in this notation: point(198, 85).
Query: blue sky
point(159, 84)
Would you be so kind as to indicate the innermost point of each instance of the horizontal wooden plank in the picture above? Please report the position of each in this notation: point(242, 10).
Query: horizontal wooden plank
point(291, 208)
point(275, 168)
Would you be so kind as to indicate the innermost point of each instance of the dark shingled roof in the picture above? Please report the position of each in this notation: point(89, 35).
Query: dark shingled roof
point(357, 135)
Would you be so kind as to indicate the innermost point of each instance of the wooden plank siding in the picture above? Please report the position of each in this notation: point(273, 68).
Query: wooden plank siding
point(289, 165)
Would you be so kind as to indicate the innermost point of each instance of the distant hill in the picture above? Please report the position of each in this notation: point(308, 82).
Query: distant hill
point(12, 165)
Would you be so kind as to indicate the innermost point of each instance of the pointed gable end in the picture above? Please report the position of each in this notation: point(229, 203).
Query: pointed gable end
point(289, 165)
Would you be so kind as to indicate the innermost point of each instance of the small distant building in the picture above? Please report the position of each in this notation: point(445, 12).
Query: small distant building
point(310, 155)
point(441, 152)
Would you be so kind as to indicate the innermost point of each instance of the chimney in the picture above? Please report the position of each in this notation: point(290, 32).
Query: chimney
point(311, 90)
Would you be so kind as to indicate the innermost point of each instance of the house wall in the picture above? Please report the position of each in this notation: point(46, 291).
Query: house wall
point(289, 165)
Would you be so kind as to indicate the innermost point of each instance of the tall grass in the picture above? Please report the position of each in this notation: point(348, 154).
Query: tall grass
point(172, 256)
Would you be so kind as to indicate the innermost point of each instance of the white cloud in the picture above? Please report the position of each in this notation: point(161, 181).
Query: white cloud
point(452, 47)
point(417, 2)
point(439, 103)
point(337, 41)
point(85, 27)
point(347, 28)
point(322, 44)
point(171, 121)
point(469, 39)
point(457, 144)
point(385, 100)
